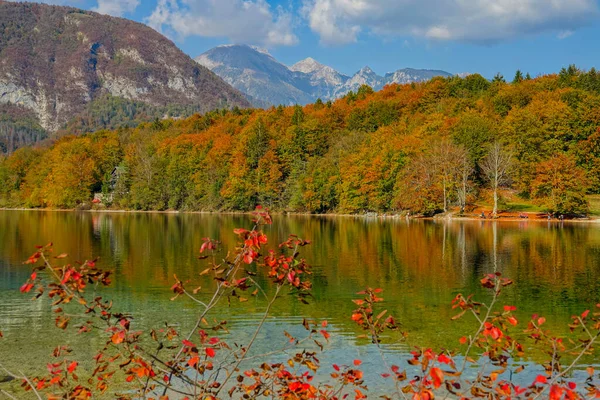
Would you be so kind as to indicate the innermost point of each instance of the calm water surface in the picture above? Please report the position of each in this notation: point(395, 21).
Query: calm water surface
point(421, 265)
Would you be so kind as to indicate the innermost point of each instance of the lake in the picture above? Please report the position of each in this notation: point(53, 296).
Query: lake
point(420, 265)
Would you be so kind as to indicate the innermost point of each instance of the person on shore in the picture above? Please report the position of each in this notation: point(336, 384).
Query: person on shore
point(482, 215)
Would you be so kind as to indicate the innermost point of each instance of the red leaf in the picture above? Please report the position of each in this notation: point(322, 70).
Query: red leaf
point(325, 334)
point(192, 362)
point(556, 392)
point(513, 321)
point(541, 321)
point(72, 367)
point(210, 352)
point(444, 359)
point(438, 377)
point(213, 340)
point(187, 343)
point(357, 362)
point(510, 308)
point(540, 379)
point(585, 313)
point(26, 288)
point(336, 367)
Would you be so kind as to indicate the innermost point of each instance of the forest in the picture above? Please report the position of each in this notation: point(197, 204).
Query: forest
point(421, 148)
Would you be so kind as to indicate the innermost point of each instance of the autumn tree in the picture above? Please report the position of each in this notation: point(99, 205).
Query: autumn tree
point(446, 159)
point(431, 178)
point(464, 170)
point(560, 186)
point(496, 168)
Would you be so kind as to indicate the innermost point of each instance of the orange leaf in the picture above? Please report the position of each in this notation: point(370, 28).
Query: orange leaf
point(72, 367)
point(438, 377)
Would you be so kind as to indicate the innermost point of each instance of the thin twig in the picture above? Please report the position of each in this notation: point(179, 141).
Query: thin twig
point(249, 346)
point(10, 396)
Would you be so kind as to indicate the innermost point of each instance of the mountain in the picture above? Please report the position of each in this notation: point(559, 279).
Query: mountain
point(324, 80)
point(257, 74)
point(264, 79)
point(409, 75)
point(365, 76)
point(55, 61)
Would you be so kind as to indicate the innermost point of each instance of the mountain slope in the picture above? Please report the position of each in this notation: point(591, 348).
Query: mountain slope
point(263, 78)
point(55, 60)
point(324, 80)
point(257, 74)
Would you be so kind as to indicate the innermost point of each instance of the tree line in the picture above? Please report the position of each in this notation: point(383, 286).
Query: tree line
point(424, 148)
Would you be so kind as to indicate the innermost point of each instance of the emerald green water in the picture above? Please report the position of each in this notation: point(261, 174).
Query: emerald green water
point(421, 265)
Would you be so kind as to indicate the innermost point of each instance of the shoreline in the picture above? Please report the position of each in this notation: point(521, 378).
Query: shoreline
point(446, 218)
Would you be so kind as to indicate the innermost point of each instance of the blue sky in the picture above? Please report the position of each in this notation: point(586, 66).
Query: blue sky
point(484, 36)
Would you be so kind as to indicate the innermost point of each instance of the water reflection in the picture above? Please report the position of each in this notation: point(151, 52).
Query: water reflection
point(421, 265)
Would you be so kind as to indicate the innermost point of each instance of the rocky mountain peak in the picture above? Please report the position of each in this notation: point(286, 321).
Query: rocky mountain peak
point(262, 77)
point(308, 65)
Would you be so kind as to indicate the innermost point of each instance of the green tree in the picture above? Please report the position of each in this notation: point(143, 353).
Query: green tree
point(518, 77)
point(498, 78)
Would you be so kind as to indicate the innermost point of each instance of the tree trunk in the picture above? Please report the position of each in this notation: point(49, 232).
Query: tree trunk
point(495, 212)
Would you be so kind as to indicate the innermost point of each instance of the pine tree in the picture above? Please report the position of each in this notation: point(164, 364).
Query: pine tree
point(518, 77)
point(498, 78)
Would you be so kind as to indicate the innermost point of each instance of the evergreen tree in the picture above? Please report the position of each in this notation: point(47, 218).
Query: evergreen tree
point(518, 77)
point(498, 78)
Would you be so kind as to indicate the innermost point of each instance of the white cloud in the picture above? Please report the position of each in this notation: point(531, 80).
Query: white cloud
point(116, 7)
point(482, 21)
point(565, 34)
point(241, 21)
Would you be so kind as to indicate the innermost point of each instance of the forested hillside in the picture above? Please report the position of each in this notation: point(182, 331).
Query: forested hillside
point(63, 66)
point(422, 147)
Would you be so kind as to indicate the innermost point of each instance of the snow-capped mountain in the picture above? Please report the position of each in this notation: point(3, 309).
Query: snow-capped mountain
point(323, 79)
point(409, 75)
point(366, 76)
point(258, 75)
point(268, 82)
point(319, 72)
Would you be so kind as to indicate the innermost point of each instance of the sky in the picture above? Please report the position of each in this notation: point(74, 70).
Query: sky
point(458, 36)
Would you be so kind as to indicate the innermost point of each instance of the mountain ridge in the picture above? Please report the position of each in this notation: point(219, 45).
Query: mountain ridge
point(253, 73)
